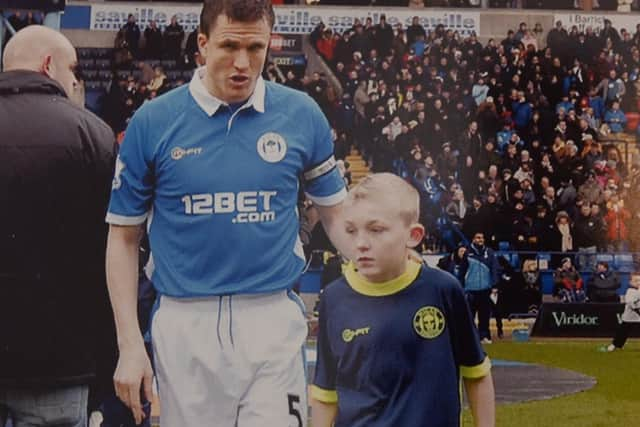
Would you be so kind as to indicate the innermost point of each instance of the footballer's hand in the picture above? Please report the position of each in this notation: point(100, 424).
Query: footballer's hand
point(133, 371)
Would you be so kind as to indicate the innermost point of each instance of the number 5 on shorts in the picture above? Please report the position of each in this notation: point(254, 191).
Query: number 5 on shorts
point(294, 399)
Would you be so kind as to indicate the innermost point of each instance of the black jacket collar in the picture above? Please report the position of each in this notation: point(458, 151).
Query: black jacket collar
point(24, 81)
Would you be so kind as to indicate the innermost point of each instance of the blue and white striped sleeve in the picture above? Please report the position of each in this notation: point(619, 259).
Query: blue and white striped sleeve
point(323, 183)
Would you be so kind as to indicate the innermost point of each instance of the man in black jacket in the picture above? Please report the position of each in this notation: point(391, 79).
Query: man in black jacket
point(603, 285)
point(588, 233)
point(56, 164)
point(173, 36)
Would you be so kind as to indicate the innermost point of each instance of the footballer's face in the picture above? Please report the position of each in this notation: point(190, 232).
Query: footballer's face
point(235, 53)
point(378, 239)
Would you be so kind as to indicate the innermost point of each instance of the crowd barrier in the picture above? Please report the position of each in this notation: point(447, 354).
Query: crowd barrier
point(623, 263)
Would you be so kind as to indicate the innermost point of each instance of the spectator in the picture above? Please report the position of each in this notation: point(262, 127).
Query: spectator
point(538, 33)
point(132, 35)
point(563, 240)
point(191, 50)
point(588, 233)
point(317, 89)
point(415, 30)
point(616, 220)
point(611, 87)
point(480, 91)
point(568, 285)
point(17, 22)
point(173, 37)
point(158, 81)
point(530, 39)
point(456, 263)
point(603, 285)
point(481, 277)
point(631, 314)
point(524, 172)
point(32, 19)
point(615, 118)
point(326, 45)
point(52, 281)
point(531, 298)
point(293, 81)
point(522, 113)
point(557, 39)
point(383, 37)
point(147, 73)
point(153, 41)
point(457, 208)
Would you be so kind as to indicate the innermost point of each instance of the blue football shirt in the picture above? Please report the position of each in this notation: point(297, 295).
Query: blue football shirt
point(219, 186)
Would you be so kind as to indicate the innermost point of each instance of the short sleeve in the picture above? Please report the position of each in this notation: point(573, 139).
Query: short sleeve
point(324, 383)
point(132, 186)
point(322, 181)
point(468, 352)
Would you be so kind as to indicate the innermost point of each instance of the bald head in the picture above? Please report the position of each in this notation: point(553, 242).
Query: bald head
point(43, 50)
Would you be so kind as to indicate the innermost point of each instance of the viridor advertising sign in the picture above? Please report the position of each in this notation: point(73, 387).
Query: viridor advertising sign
point(588, 320)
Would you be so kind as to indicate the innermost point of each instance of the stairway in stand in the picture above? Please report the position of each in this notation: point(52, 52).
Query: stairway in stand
point(626, 143)
point(357, 166)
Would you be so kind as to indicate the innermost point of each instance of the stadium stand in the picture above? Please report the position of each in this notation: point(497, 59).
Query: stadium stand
point(501, 136)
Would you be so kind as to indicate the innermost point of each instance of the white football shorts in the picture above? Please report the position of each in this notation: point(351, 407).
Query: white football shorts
point(231, 361)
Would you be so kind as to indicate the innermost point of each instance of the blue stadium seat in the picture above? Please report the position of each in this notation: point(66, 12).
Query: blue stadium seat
point(91, 85)
point(102, 52)
point(514, 260)
point(544, 260)
point(104, 75)
point(624, 263)
point(103, 64)
point(174, 75)
point(84, 52)
point(608, 258)
point(546, 278)
point(90, 74)
point(86, 64)
point(168, 64)
point(93, 99)
point(123, 74)
point(504, 246)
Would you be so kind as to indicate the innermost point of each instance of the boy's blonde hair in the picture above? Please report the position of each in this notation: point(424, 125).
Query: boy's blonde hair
point(389, 190)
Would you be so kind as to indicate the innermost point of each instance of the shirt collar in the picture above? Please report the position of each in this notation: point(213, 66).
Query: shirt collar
point(210, 104)
point(361, 285)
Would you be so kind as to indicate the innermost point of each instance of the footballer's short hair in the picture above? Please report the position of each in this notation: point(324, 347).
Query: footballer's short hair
point(389, 190)
point(236, 10)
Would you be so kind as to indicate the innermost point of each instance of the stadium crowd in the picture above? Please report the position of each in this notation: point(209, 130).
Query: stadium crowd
point(512, 137)
point(520, 130)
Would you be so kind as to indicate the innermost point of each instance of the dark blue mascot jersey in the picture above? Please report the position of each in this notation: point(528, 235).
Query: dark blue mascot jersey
point(393, 354)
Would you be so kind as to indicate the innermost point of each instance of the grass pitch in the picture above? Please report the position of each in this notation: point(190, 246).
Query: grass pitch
point(614, 401)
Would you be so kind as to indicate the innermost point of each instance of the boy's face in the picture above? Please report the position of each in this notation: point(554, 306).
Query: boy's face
point(378, 239)
point(635, 281)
